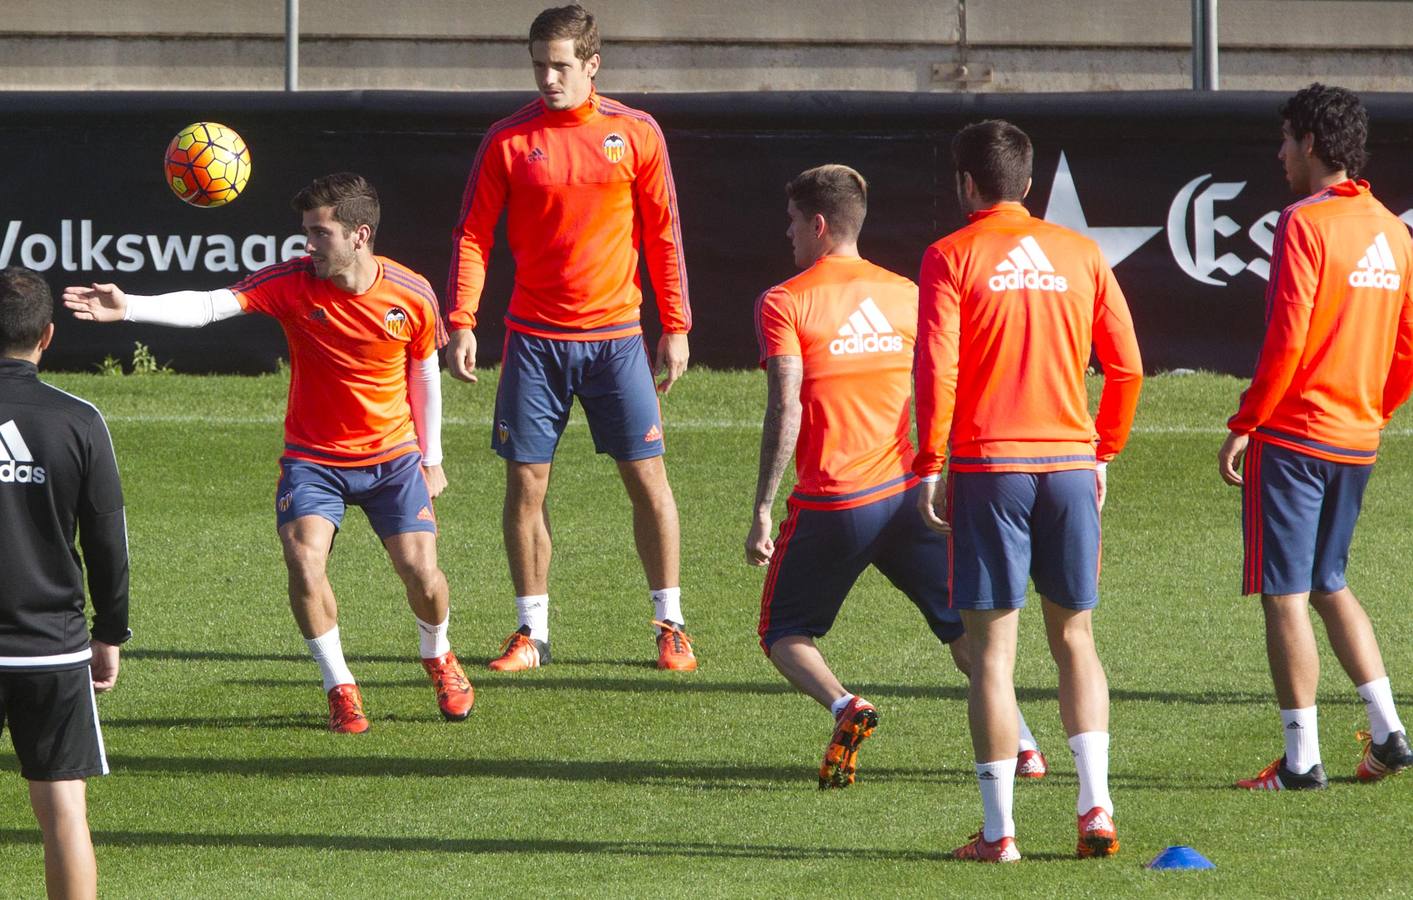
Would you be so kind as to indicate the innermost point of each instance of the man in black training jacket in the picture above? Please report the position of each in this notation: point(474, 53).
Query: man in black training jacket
point(58, 476)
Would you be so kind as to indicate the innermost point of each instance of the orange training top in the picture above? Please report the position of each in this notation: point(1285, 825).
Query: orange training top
point(584, 188)
point(1337, 358)
point(853, 324)
point(349, 355)
point(1010, 306)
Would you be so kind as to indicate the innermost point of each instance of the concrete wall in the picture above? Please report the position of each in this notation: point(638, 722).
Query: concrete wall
point(706, 45)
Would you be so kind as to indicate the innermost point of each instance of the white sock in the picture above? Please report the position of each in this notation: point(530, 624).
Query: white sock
point(1302, 739)
point(667, 605)
point(327, 651)
point(431, 639)
point(837, 706)
point(1091, 762)
point(533, 612)
point(1027, 740)
point(997, 781)
point(1378, 701)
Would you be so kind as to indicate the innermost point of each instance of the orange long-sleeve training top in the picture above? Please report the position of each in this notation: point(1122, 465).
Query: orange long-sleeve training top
point(583, 189)
point(1337, 358)
point(1010, 306)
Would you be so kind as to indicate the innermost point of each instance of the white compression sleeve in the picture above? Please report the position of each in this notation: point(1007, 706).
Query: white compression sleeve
point(184, 309)
point(424, 393)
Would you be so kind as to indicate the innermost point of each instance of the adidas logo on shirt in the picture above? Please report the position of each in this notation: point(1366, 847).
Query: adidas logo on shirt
point(16, 462)
point(866, 331)
point(1377, 268)
point(1027, 266)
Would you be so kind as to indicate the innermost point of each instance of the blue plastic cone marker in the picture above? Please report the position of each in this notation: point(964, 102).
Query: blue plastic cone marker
point(1181, 857)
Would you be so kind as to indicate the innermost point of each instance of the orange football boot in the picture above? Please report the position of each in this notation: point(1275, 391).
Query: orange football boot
point(979, 849)
point(346, 710)
point(520, 652)
point(852, 726)
point(454, 694)
point(674, 648)
point(1097, 835)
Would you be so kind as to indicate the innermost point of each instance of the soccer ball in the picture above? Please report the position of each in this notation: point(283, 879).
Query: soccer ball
point(207, 164)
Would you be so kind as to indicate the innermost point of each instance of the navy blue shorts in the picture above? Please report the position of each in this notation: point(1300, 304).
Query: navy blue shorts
point(392, 494)
point(539, 379)
point(53, 723)
point(1297, 519)
point(819, 554)
point(1011, 527)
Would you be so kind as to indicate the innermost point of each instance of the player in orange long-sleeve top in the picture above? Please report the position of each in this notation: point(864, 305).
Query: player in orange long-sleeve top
point(584, 182)
point(837, 342)
point(1336, 361)
point(363, 424)
point(1009, 308)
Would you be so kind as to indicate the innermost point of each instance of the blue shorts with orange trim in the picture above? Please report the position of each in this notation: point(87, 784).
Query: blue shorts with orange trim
point(820, 553)
point(392, 494)
point(1297, 519)
point(1011, 527)
point(539, 379)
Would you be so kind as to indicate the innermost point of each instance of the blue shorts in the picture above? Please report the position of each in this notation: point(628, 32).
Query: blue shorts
point(819, 554)
point(539, 379)
point(392, 494)
point(1011, 527)
point(1297, 519)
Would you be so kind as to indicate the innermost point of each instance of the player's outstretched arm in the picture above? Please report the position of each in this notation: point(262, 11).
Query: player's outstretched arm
point(96, 302)
point(181, 309)
point(779, 434)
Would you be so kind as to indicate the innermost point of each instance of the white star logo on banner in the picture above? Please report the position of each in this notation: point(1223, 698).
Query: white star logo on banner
point(1116, 243)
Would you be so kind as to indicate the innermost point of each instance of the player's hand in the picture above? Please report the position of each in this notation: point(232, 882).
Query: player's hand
point(759, 547)
point(1101, 483)
point(1230, 456)
point(436, 480)
point(672, 356)
point(927, 500)
point(104, 666)
point(461, 354)
point(97, 303)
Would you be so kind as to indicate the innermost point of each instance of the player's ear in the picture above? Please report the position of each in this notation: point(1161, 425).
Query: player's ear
point(819, 225)
point(1026, 192)
point(47, 337)
point(363, 236)
point(591, 65)
point(1307, 144)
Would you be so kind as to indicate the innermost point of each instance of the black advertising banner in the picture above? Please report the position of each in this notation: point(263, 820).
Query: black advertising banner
point(1181, 190)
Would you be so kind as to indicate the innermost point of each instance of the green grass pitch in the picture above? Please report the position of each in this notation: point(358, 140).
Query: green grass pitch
point(599, 776)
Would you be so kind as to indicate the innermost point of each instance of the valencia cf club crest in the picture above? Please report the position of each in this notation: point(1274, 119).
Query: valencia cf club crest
point(285, 500)
point(395, 322)
point(614, 147)
point(503, 431)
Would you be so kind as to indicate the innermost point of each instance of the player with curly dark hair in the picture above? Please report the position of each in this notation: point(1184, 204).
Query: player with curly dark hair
point(1337, 123)
point(1336, 361)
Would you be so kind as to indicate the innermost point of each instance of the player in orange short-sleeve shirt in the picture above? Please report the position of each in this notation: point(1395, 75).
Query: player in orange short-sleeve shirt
point(837, 342)
point(363, 424)
point(585, 186)
point(1009, 309)
point(1335, 362)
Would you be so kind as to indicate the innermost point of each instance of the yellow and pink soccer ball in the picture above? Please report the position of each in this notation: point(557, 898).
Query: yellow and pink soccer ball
point(207, 164)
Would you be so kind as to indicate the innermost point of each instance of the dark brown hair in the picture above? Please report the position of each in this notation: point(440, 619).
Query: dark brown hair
point(834, 191)
point(997, 155)
point(353, 199)
point(26, 309)
point(572, 23)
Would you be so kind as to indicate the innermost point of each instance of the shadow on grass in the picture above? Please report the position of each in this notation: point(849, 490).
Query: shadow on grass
point(509, 846)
